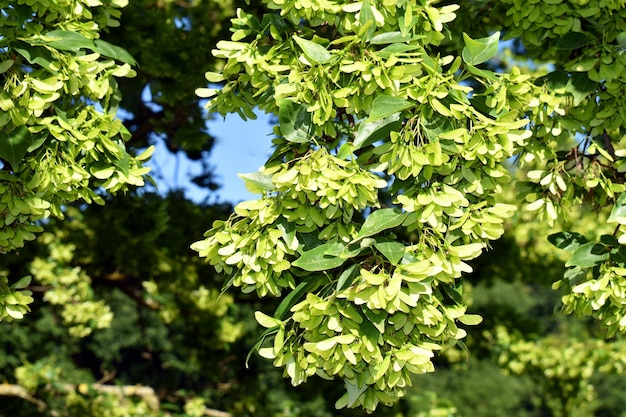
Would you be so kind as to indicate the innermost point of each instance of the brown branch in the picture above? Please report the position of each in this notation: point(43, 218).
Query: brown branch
point(107, 376)
point(117, 280)
point(180, 3)
point(216, 413)
point(12, 390)
point(138, 296)
point(39, 288)
point(147, 395)
point(608, 145)
point(129, 285)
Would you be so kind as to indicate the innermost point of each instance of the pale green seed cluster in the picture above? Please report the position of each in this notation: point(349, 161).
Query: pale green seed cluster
point(254, 255)
point(389, 329)
point(585, 98)
point(318, 195)
point(369, 117)
point(412, 149)
point(70, 288)
point(60, 139)
point(19, 214)
point(578, 157)
point(338, 340)
point(14, 299)
point(595, 280)
point(568, 364)
point(601, 294)
point(354, 74)
point(324, 180)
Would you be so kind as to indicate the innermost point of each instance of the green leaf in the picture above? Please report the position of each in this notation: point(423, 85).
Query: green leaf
point(385, 106)
point(367, 326)
point(588, 255)
point(36, 55)
point(23, 12)
point(366, 18)
point(259, 342)
point(477, 51)
point(436, 126)
point(310, 240)
point(377, 318)
point(572, 40)
point(347, 277)
point(454, 292)
point(370, 132)
point(288, 232)
point(113, 51)
point(380, 220)
point(393, 251)
point(295, 296)
point(342, 251)
point(556, 80)
point(621, 39)
point(4, 66)
point(294, 122)
point(123, 164)
point(313, 51)
point(354, 391)
point(391, 37)
point(345, 151)
point(396, 48)
point(14, 144)
point(316, 260)
point(22, 283)
point(618, 214)
point(568, 241)
point(269, 19)
point(609, 240)
point(580, 86)
point(257, 182)
point(66, 40)
point(37, 141)
point(486, 74)
point(618, 255)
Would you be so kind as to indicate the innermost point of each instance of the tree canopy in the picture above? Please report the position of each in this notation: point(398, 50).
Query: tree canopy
point(392, 146)
point(414, 141)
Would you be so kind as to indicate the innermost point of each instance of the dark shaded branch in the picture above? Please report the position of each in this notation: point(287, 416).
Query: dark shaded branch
point(608, 145)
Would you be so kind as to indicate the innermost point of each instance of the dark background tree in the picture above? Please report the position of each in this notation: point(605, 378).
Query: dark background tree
point(172, 41)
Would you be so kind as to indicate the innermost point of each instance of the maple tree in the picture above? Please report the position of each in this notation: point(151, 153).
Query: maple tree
point(392, 148)
point(401, 127)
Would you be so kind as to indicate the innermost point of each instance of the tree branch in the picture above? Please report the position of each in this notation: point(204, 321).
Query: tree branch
point(216, 413)
point(608, 145)
point(12, 390)
point(146, 394)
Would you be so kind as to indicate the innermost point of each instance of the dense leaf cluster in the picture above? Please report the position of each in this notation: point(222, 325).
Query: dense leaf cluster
point(379, 88)
point(60, 139)
point(390, 177)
